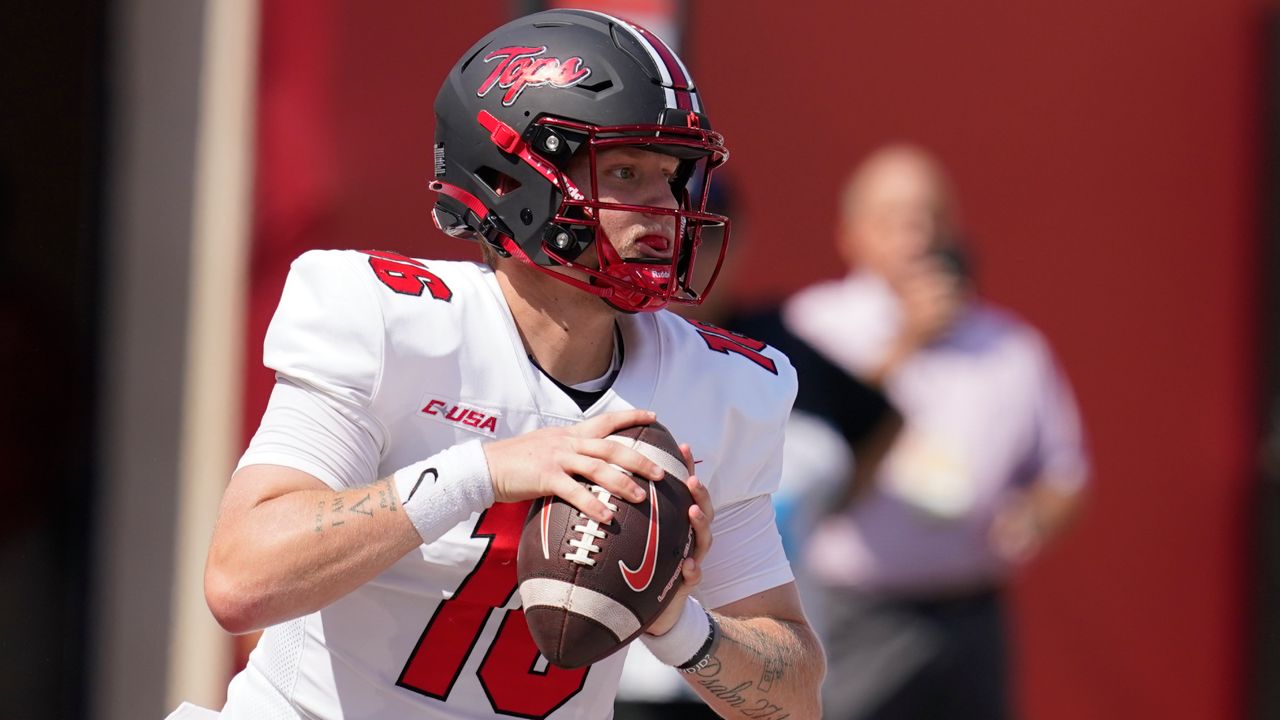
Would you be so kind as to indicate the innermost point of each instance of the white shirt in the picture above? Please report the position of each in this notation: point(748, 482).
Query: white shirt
point(383, 361)
point(986, 410)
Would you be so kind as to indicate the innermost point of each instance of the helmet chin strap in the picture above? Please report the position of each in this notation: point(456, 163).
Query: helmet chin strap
point(616, 297)
point(653, 277)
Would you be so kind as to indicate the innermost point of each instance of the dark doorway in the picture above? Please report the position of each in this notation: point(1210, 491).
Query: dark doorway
point(51, 152)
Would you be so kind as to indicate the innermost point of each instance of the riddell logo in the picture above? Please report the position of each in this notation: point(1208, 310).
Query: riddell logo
point(466, 417)
point(520, 67)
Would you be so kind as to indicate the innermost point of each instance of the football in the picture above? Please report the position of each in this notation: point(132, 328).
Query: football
point(589, 589)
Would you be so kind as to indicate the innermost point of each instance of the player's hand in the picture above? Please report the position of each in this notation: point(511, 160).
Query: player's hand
point(546, 461)
point(700, 516)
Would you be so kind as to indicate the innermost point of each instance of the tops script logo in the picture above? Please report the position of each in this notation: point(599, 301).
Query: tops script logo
point(520, 67)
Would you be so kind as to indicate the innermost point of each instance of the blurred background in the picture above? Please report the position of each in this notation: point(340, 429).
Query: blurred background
point(162, 161)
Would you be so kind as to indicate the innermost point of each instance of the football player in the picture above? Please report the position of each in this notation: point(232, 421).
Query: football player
point(420, 406)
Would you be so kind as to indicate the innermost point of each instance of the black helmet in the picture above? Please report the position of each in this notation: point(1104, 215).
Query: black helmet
point(536, 92)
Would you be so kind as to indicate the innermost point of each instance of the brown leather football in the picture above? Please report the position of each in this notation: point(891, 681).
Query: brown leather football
point(589, 589)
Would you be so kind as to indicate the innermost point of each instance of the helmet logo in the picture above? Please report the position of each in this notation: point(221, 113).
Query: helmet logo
point(520, 67)
point(692, 120)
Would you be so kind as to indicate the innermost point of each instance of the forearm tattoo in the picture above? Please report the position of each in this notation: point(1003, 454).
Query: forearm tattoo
point(749, 697)
point(334, 512)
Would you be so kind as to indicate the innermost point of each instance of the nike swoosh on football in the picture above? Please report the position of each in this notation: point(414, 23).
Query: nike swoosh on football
point(639, 578)
point(545, 521)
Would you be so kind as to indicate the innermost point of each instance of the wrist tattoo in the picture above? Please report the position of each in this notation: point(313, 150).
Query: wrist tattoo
point(339, 508)
point(338, 503)
point(360, 508)
point(771, 671)
point(745, 698)
point(386, 498)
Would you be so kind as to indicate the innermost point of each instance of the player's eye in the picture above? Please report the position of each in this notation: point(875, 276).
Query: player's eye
point(623, 172)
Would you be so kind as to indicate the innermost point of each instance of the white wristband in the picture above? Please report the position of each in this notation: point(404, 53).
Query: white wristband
point(685, 639)
point(445, 489)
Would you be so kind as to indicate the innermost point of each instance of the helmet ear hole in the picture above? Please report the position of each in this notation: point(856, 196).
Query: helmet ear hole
point(499, 182)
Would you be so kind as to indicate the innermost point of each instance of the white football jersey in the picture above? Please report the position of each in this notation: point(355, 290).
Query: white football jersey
point(412, 357)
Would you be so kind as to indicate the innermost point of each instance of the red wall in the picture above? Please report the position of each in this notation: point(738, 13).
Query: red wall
point(1105, 156)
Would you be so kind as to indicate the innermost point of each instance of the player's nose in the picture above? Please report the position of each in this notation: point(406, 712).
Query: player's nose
point(659, 194)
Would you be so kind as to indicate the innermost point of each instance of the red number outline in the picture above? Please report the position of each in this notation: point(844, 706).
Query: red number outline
point(506, 672)
point(407, 276)
point(726, 341)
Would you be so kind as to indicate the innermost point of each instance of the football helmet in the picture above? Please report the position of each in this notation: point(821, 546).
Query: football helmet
point(543, 89)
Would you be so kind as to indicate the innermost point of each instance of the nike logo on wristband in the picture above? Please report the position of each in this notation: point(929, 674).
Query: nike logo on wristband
point(639, 578)
point(435, 475)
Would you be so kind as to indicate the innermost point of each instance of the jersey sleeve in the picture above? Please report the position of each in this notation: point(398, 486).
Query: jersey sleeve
point(729, 573)
point(308, 430)
point(747, 555)
point(755, 408)
point(326, 344)
point(1060, 456)
point(736, 394)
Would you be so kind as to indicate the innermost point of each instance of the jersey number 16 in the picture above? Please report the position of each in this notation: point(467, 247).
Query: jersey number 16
point(509, 671)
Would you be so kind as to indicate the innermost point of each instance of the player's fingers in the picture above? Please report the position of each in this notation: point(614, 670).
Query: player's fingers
point(577, 495)
point(700, 516)
point(692, 571)
point(687, 453)
point(607, 423)
point(624, 457)
point(605, 475)
point(701, 532)
point(701, 497)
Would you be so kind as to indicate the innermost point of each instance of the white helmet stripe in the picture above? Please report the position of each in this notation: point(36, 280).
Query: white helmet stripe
point(680, 78)
point(654, 55)
point(693, 96)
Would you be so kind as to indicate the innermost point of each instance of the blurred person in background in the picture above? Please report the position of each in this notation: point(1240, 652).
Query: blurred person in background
point(838, 429)
point(988, 467)
point(839, 425)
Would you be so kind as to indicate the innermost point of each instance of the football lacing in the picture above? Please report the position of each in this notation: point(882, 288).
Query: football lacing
point(585, 546)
